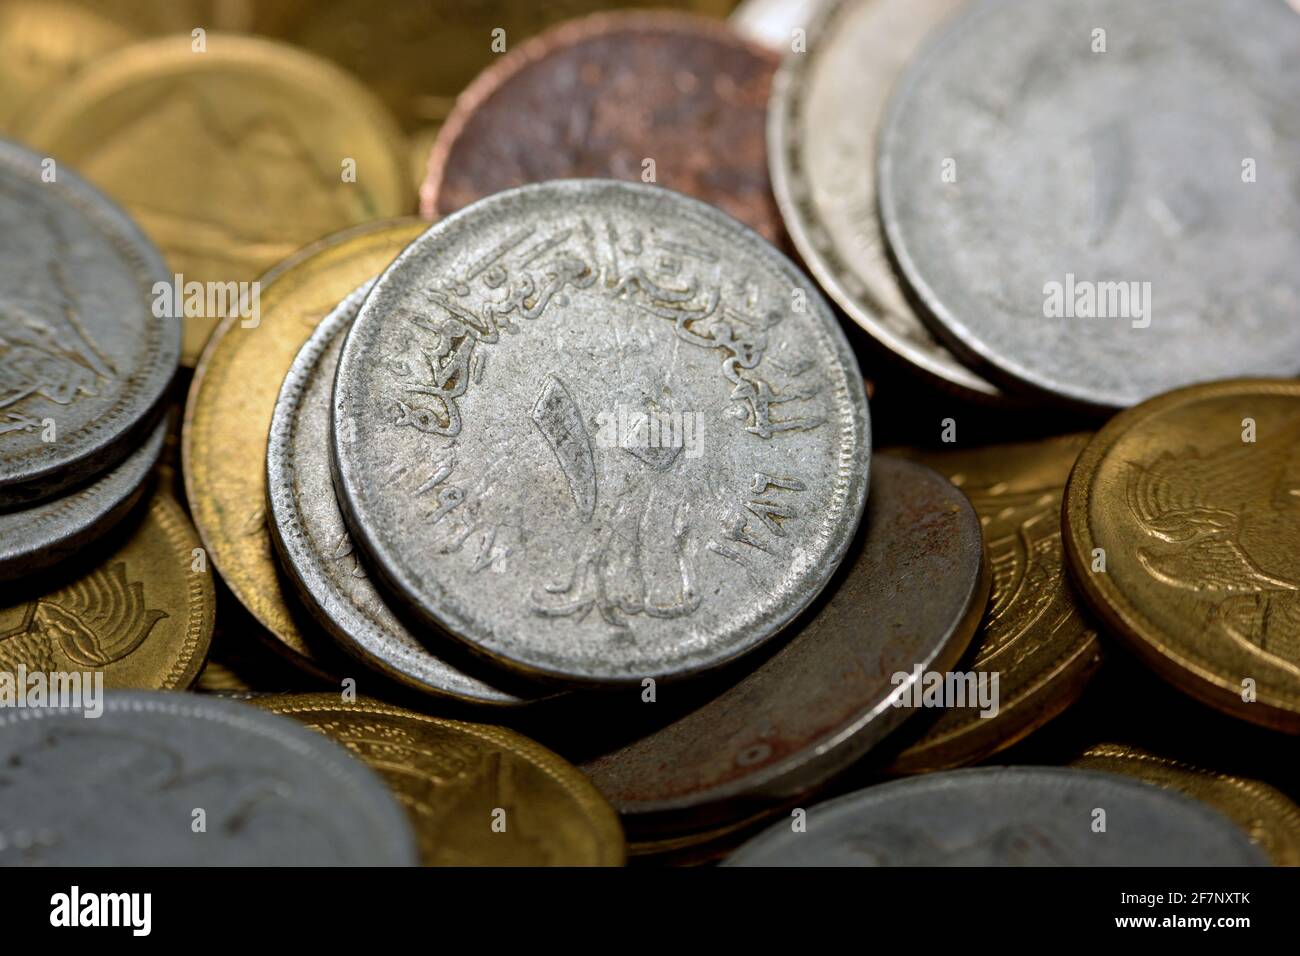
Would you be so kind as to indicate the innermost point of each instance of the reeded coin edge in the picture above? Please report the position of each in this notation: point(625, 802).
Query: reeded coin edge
point(201, 593)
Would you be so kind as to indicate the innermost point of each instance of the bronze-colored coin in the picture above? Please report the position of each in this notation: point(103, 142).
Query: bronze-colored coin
point(477, 795)
point(228, 415)
point(143, 615)
point(1034, 636)
point(649, 97)
point(1182, 527)
point(1270, 817)
point(231, 157)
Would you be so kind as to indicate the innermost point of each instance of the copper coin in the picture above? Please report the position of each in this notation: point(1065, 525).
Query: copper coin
point(658, 97)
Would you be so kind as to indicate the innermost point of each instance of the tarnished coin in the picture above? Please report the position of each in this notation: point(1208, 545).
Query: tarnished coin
point(126, 789)
point(38, 537)
point(826, 108)
point(1270, 817)
point(229, 411)
point(1006, 816)
point(478, 795)
point(601, 432)
point(1034, 637)
point(1036, 189)
point(912, 594)
point(84, 362)
point(307, 528)
point(1182, 530)
point(654, 97)
point(232, 156)
point(143, 615)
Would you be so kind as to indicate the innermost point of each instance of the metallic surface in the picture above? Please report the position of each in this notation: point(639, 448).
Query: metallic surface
point(476, 428)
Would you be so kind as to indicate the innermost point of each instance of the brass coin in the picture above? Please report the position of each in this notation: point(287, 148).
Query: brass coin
point(1192, 501)
point(477, 795)
point(1270, 818)
point(230, 158)
point(143, 615)
point(1033, 634)
point(228, 416)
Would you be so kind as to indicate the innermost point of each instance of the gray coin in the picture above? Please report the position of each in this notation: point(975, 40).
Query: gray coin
point(600, 431)
point(837, 688)
point(123, 789)
point(1007, 816)
point(83, 360)
point(40, 536)
point(312, 540)
point(1098, 200)
point(826, 107)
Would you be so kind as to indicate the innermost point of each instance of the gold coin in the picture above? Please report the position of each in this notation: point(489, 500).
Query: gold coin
point(143, 615)
point(1033, 635)
point(1270, 818)
point(230, 158)
point(228, 416)
point(1182, 526)
point(477, 795)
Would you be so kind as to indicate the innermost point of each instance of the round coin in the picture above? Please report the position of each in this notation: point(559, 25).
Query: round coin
point(84, 363)
point(654, 97)
point(601, 432)
point(228, 414)
point(1182, 530)
point(477, 795)
point(1036, 189)
point(127, 789)
point(911, 597)
point(1006, 816)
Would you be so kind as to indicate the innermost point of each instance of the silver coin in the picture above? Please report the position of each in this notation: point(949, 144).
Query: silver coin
point(825, 110)
point(40, 536)
point(773, 22)
point(1097, 199)
point(1007, 816)
point(840, 685)
point(312, 540)
point(84, 362)
point(126, 788)
point(600, 431)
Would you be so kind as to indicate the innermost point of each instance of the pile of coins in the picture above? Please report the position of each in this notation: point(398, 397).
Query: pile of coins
point(545, 526)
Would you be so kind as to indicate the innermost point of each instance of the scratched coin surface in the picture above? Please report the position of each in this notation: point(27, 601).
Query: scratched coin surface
point(477, 795)
point(1034, 636)
point(658, 97)
point(228, 414)
point(1006, 816)
point(1182, 530)
point(600, 432)
point(913, 590)
point(308, 531)
point(143, 614)
point(231, 158)
point(84, 362)
point(122, 790)
point(1036, 188)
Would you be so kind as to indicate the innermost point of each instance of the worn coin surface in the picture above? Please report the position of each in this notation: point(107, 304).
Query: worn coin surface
point(122, 790)
point(313, 542)
point(1182, 530)
point(1036, 188)
point(912, 595)
point(823, 169)
point(84, 362)
point(229, 410)
point(231, 158)
point(1034, 636)
point(478, 795)
point(655, 97)
point(601, 432)
point(1006, 816)
point(143, 615)
point(40, 536)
